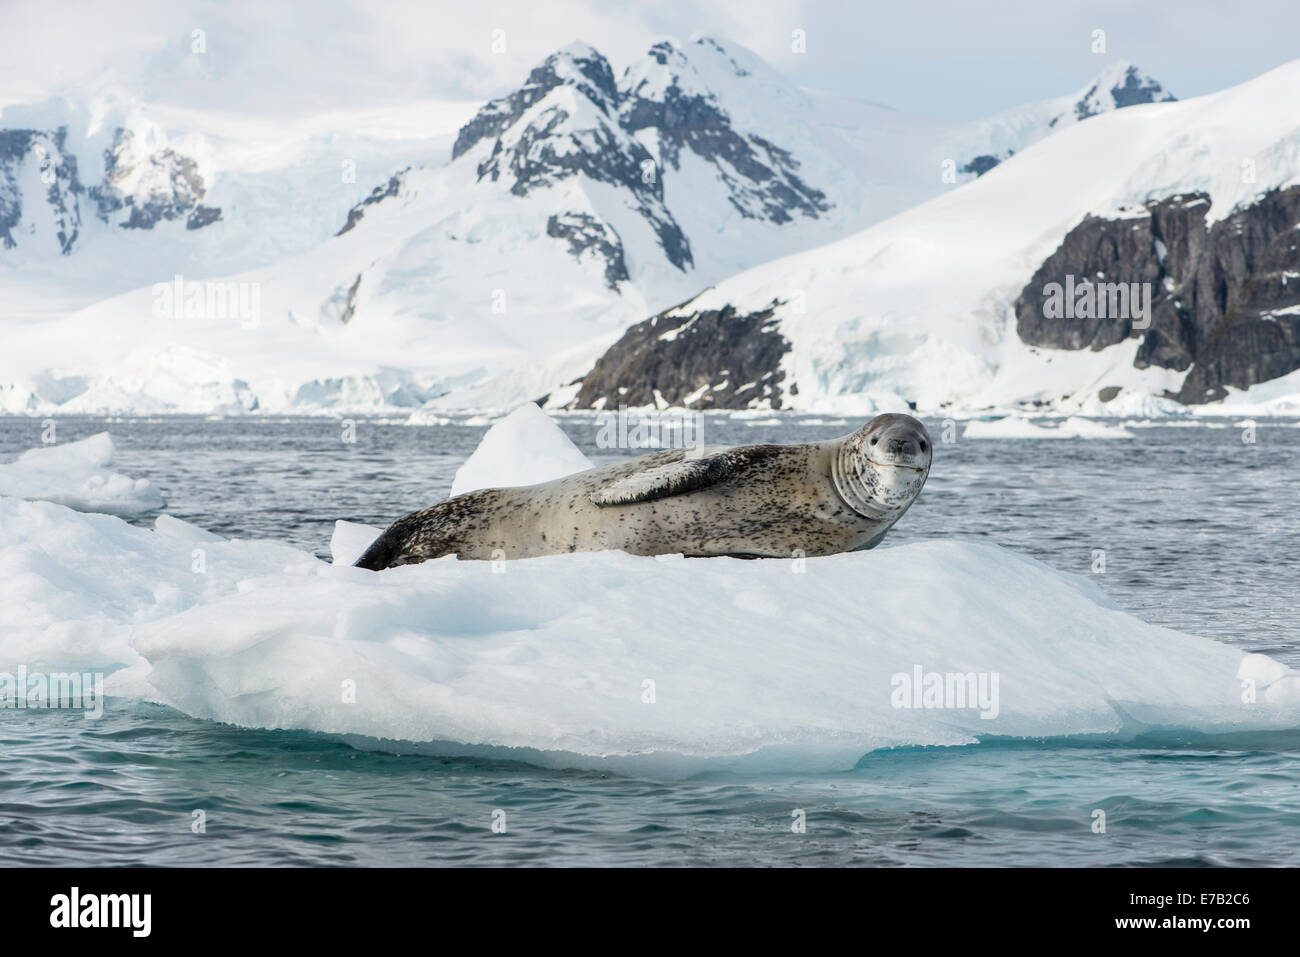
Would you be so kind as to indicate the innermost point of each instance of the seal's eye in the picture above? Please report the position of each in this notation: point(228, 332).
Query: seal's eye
point(875, 439)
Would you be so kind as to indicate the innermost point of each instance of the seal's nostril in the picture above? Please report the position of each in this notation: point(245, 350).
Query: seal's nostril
point(923, 445)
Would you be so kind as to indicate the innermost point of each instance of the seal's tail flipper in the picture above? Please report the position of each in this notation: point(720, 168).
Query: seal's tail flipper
point(419, 536)
point(382, 551)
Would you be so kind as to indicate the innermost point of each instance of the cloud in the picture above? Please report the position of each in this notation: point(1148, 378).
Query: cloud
point(935, 58)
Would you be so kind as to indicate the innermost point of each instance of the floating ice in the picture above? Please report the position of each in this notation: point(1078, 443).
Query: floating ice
point(608, 660)
point(74, 584)
point(1014, 427)
point(76, 474)
point(524, 448)
point(1132, 404)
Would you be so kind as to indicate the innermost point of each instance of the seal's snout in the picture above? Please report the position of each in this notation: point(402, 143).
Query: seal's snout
point(898, 440)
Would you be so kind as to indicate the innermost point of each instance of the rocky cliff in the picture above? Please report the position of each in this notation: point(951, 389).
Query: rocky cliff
point(715, 359)
point(1225, 297)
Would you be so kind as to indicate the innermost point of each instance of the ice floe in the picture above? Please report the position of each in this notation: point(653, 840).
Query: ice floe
point(648, 665)
point(76, 474)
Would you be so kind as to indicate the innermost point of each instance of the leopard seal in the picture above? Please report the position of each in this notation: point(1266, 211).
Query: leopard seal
point(749, 501)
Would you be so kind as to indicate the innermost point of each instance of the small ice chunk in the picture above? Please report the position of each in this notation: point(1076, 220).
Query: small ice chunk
point(524, 448)
point(350, 540)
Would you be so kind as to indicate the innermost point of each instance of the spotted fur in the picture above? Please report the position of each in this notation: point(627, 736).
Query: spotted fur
point(751, 501)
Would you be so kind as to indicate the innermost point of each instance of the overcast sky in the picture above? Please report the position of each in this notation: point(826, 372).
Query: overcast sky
point(942, 59)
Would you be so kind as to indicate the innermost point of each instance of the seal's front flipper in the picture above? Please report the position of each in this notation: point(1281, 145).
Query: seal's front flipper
point(678, 478)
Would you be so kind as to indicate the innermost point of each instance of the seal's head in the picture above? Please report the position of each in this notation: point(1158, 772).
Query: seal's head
point(880, 468)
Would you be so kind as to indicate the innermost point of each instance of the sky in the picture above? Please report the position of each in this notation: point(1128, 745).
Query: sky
point(946, 60)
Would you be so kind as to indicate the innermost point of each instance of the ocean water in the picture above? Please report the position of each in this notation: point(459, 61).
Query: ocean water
point(1197, 528)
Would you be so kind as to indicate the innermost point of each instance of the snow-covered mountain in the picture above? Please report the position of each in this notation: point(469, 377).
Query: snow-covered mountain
point(1195, 205)
point(123, 175)
point(1121, 84)
point(472, 271)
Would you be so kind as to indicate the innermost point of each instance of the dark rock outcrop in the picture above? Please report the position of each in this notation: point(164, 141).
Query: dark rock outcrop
point(1128, 88)
point(58, 175)
point(714, 359)
point(202, 216)
point(350, 307)
point(979, 165)
point(594, 79)
point(174, 188)
point(584, 233)
point(1225, 298)
point(377, 195)
point(1132, 89)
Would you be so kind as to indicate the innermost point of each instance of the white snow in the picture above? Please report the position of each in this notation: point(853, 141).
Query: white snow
point(524, 448)
point(606, 660)
point(1277, 397)
point(76, 474)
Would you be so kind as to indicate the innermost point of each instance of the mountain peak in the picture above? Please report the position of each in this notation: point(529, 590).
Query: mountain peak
point(579, 65)
point(1119, 85)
